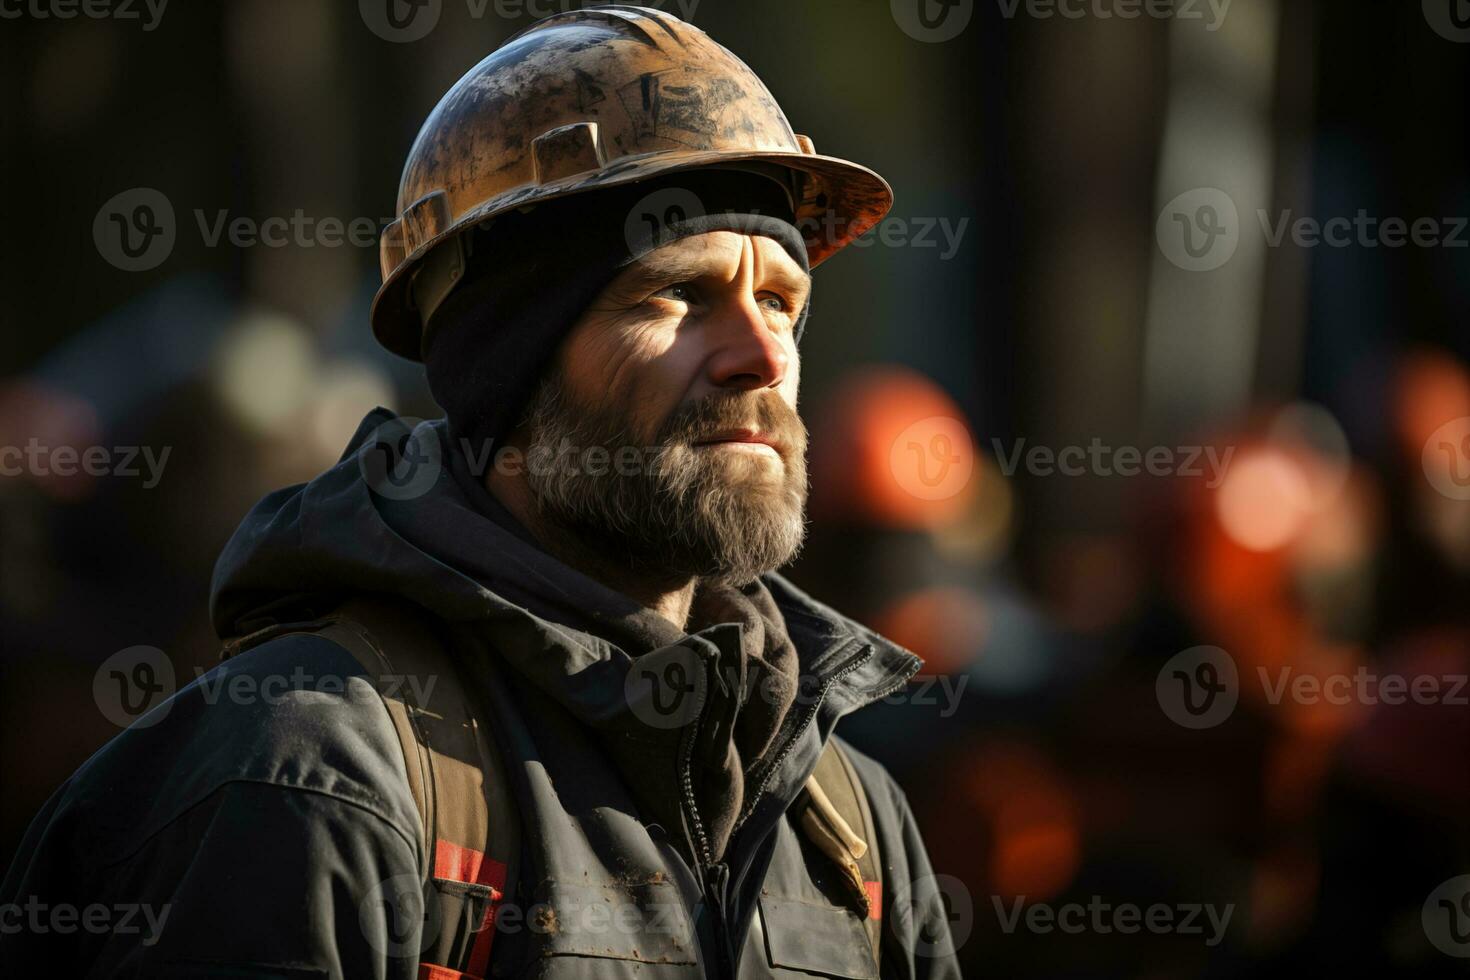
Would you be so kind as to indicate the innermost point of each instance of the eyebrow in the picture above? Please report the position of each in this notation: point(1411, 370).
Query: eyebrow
point(655, 269)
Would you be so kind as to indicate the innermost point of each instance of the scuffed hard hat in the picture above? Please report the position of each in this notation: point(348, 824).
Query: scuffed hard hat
point(590, 98)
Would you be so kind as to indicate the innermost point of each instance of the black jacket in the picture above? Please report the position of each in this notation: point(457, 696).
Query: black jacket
point(254, 824)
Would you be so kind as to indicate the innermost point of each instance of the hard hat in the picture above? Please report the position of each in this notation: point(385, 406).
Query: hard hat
point(589, 98)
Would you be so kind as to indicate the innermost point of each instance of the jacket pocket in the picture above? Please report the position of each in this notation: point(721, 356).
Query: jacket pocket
point(641, 921)
point(821, 939)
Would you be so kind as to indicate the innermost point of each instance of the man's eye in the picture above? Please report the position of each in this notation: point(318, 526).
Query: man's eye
point(682, 292)
point(774, 303)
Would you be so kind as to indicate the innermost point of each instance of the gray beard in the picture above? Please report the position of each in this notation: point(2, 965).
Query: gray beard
point(661, 506)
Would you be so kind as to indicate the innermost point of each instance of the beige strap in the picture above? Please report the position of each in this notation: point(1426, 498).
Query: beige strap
point(838, 820)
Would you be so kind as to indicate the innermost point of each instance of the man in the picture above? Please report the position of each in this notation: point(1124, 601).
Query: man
point(606, 747)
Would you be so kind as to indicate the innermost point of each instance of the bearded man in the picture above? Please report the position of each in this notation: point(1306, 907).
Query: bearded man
point(550, 711)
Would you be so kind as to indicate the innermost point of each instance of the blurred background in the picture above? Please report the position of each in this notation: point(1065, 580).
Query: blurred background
point(1101, 253)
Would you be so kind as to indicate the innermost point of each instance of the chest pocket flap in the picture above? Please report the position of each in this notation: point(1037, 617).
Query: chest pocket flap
point(821, 939)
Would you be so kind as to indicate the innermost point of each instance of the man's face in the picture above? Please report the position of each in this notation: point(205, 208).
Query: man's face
point(686, 363)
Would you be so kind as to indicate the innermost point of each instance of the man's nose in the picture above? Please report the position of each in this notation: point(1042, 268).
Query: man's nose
point(748, 354)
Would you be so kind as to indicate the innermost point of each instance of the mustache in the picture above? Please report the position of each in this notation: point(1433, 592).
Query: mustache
point(764, 411)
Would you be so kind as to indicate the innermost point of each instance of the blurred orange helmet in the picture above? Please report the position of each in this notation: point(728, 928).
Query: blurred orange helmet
point(589, 98)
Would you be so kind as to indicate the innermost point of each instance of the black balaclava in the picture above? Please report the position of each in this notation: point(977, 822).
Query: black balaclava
point(531, 274)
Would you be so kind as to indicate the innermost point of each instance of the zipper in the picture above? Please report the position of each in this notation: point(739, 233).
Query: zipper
point(859, 659)
point(714, 878)
point(716, 885)
point(790, 726)
point(789, 730)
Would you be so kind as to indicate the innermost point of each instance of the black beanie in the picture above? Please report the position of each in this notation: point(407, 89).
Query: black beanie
point(531, 274)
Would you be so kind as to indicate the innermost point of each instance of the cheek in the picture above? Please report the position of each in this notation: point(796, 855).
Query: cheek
point(643, 371)
point(791, 383)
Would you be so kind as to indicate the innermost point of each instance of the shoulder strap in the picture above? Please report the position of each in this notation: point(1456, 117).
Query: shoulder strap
point(470, 826)
point(839, 821)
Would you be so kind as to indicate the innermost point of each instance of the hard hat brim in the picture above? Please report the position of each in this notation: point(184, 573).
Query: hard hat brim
point(841, 201)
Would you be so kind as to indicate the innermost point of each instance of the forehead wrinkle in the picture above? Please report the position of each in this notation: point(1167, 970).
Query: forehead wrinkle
point(685, 260)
